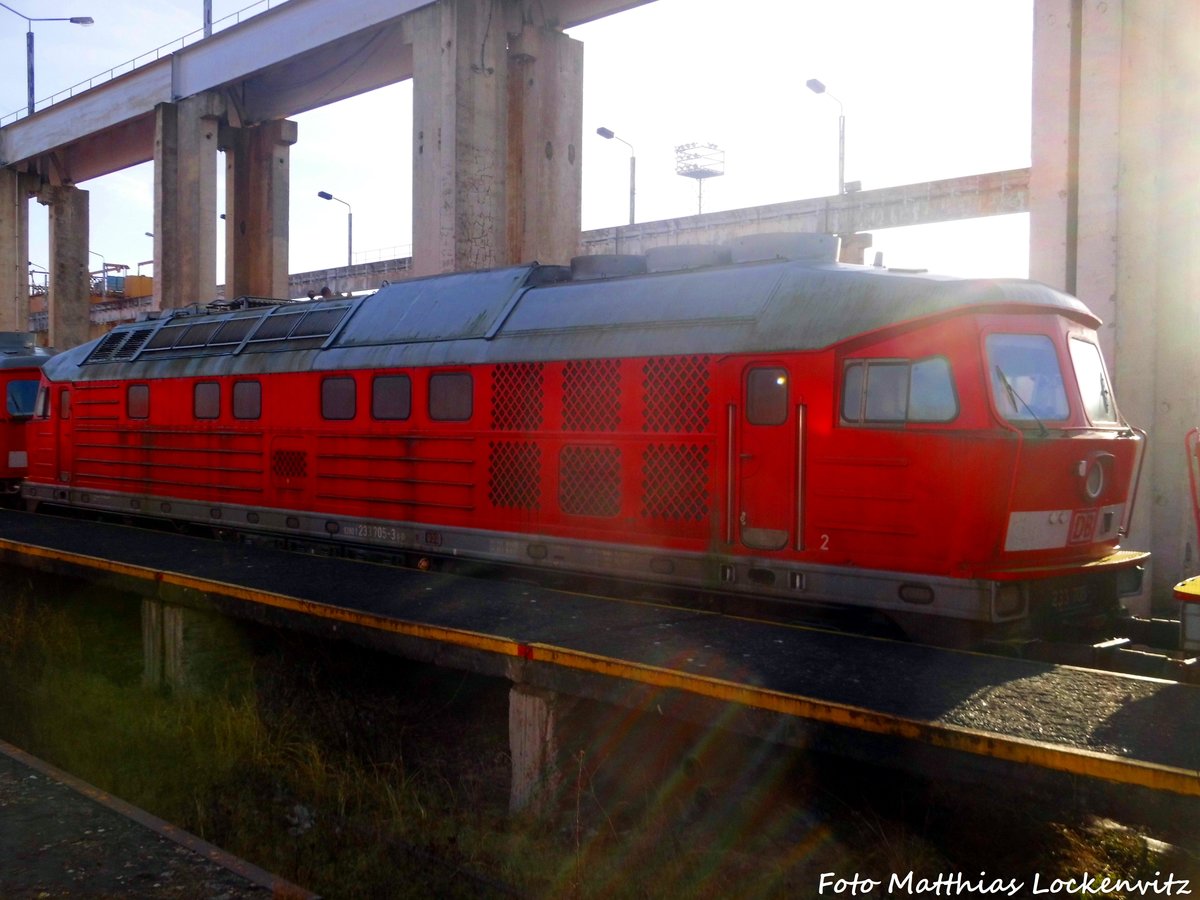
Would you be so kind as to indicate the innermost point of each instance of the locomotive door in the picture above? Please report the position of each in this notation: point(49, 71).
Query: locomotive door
point(766, 459)
point(65, 438)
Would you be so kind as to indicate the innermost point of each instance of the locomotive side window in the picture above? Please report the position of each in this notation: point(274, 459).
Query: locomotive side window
point(338, 398)
point(888, 391)
point(1093, 382)
point(391, 397)
point(931, 396)
point(1027, 384)
point(43, 404)
point(64, 405)
point(247, 399)
point(21, 396)
point(206, 400)
point(450, 396)
point(886, 398)
point(766, 396)
point(137, 401)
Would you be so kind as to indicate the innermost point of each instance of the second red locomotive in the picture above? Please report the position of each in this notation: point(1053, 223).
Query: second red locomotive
point(755, 419)
point(20, 376)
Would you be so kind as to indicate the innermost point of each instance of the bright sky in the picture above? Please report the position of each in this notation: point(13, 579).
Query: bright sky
point(930, 88)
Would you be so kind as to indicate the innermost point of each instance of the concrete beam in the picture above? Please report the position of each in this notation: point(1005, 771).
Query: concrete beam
point(70, 284)
point(970, 197)
point(545, 127)
point(294, 57)
point(185, 201)
point(256, 208)
point(459, 135)
point(534, 720)
point(14, 251)
point(1112, 212)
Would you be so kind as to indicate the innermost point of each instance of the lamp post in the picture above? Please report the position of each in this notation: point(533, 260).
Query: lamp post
point(817, 87)
point(74, 20)
point(325, 195)
point(608, 135)
point(103, 273)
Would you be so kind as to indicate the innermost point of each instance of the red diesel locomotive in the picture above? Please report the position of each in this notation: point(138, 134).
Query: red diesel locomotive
point(755, 419)
point(20, 375)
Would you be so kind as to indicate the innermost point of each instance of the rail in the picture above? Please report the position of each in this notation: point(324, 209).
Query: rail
point(143, 59)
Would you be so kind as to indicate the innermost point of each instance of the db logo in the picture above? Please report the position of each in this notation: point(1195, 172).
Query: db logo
point(1083, 526)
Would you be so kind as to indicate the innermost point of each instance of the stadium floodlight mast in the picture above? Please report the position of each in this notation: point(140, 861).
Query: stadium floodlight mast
point(699, 161)
point(29, 20)
point(817, 87)
point(325, 195)
point(609, 135)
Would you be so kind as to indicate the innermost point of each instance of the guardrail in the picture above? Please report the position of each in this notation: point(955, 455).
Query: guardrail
point(143, 59)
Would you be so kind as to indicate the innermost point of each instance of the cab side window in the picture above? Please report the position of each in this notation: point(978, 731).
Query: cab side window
point(890, 391)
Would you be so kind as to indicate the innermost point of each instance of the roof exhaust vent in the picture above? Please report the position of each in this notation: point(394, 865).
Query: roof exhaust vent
point(686, 256)
point(805, 247)
point(607, 265)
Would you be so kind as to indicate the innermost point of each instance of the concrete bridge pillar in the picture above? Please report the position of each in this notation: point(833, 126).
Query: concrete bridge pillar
point(545, 117)
point(14, 251)
point(479, 109)
point(185, 201)
point(257, 162)
point(534, 722)
point(1132, 64)
point(70, 284)
point(190, 651)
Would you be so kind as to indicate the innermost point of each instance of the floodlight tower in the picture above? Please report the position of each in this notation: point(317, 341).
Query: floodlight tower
point(699, 161)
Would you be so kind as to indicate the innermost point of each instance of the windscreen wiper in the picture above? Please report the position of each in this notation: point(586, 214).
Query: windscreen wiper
point(1015, 399)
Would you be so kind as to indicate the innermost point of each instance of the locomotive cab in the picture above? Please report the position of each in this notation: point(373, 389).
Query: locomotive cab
point(20, 375)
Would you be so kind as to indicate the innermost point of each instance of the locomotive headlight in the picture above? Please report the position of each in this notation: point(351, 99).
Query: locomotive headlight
point(1009, 601)
point(1093, 473)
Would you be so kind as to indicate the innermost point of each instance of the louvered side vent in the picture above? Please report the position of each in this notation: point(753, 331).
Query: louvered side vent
point(289, 464)
point(590, 481)
point(515, 475)
point(518, 396)
point(120, 345)
point(591, 395)
point(676, 395)
point(675, 482)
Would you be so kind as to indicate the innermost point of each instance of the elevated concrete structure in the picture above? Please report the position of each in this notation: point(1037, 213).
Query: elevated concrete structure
point(477, 173)
point(70, 283)
point(1115, 206)
point(14, 251)
point(256, 208)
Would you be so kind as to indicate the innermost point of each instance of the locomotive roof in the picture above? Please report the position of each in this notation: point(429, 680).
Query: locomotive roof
point(536, 313)
point(18, 351)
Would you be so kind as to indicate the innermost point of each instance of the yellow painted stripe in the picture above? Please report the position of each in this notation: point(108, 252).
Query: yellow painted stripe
point(1074, 761)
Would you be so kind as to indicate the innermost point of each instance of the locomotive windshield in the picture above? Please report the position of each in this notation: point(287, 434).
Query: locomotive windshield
point(1093, 382)
point(21, 396)
point(1027, 384)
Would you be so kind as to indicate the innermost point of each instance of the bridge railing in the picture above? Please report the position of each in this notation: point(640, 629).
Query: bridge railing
point(143, 59)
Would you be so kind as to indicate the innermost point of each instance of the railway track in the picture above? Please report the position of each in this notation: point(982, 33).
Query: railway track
point(1146, 647)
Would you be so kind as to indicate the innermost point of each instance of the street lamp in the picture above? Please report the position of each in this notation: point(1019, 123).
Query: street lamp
point(818, 88)
point(74, 20)
point(325, 195)
point(608, 135)
point(103, 273)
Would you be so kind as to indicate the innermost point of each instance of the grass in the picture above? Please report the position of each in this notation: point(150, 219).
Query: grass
point(358, 774)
